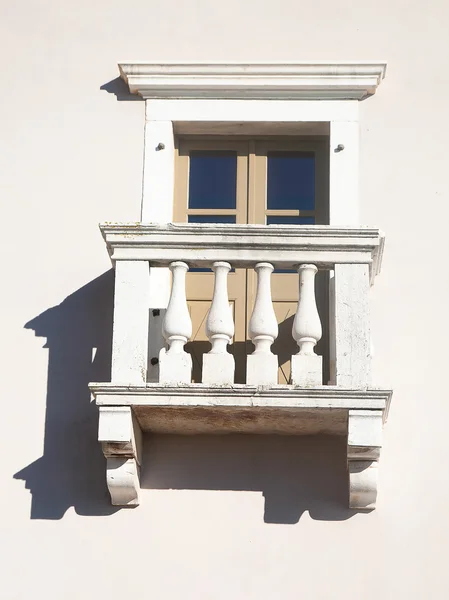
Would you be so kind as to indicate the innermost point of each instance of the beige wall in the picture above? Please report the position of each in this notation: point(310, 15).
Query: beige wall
point(248, 518)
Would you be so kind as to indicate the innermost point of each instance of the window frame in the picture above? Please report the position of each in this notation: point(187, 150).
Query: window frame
point(183, 147)
point(252, 153)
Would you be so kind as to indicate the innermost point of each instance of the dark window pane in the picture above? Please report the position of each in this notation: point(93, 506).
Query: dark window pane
point(212, 179)
point(211, 218)
point(291, 181)
point(279, 220)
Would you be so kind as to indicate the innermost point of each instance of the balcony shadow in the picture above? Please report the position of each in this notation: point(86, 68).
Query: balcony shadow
point(120, 90)
point(294, 474)
point(71, 471)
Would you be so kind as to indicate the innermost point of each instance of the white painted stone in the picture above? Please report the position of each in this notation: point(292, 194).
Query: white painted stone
point(307, 367)
point(119, 432)
point(218, 369)
point(188, 114)
point(280, 409)
point(262, 365)
point(262, 368)
point(175, 365)
point(284, 246)
point(263, 326)
point(363, 476)
point(351, 327)
point(158, 172)
point(364, 445)
point(364, 434)
point(350, 251)
point(121, 439)
point(307, 329)
point(157, 201)
point(122, 478)
point(130, 327)
point(177, 324)
point(160, 287)
point(243, 395)
point(218, 364)
point(260, 80)
point(219, 322)
point(344, 173)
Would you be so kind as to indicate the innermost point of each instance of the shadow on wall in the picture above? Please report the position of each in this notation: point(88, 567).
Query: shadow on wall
point(294, 474)
point(71, 471)
point(120, 90)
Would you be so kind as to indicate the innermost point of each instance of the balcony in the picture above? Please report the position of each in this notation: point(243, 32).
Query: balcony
point(134, 402)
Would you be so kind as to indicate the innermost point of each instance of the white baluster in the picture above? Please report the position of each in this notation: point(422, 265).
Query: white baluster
point(175, 364)
point(262, 364)
point(218, 364)
point(307, 367)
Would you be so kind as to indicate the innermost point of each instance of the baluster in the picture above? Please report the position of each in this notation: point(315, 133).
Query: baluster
point(175, 364)
point(262, 364)
point(218, 364)
point(306, 365)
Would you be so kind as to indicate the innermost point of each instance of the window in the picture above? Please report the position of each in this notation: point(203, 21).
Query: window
point(283, 181)
point(259, 181)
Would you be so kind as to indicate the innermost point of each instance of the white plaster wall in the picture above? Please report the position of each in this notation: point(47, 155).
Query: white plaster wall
point(71, 155)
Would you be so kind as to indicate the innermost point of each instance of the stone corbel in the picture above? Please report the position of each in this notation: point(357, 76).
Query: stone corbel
point(364, 444)
point(121, 440)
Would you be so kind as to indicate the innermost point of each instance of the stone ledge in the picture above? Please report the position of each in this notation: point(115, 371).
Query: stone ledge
point(198, 408)
point(290, 81)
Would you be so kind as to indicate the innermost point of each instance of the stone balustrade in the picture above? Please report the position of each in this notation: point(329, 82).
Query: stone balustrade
point(351, 256)
point(218, 363)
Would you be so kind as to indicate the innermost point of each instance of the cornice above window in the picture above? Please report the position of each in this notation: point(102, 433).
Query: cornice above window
point(303, 81)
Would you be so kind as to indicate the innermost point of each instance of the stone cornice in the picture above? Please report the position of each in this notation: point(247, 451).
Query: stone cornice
point(307, 81)
point(242, 390)
point(244, 245)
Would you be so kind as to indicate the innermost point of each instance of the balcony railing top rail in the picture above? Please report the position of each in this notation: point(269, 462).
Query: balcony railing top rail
point(284, 246)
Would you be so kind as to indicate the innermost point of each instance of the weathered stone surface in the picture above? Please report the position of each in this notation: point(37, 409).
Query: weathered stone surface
point(218, 368)
point(307, 370)
point(121, 439)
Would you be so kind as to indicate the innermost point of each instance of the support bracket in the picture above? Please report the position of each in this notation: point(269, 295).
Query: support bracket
point(364, 444)
point(121, 441)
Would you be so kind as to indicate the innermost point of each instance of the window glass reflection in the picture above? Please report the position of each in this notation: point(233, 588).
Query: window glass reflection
point(290, 180)
point(212, 179)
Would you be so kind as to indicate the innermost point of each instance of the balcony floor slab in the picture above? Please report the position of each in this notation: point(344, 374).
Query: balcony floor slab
point(280, 409)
